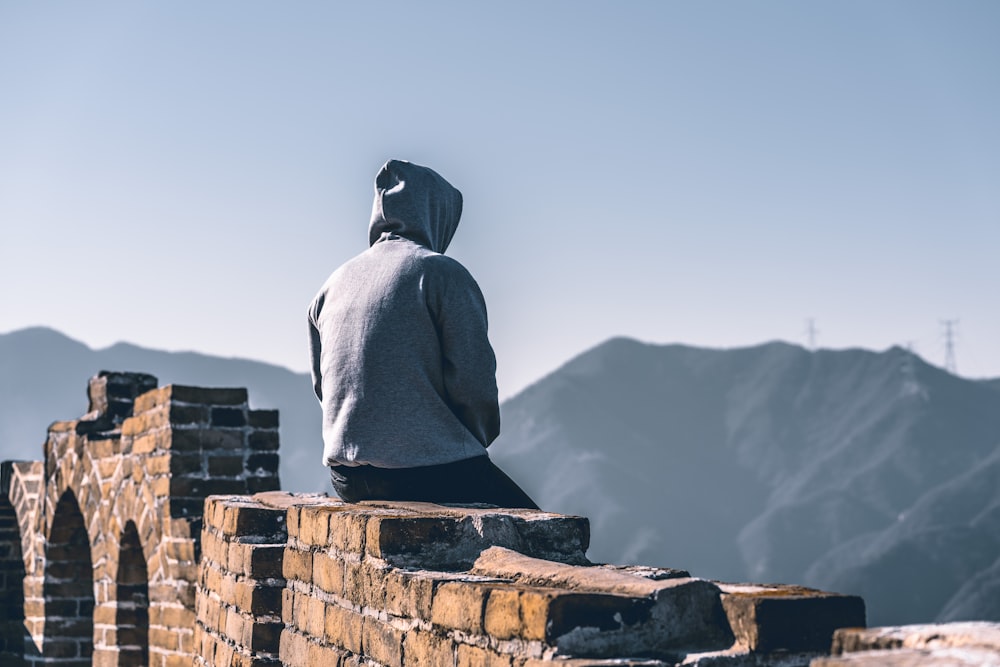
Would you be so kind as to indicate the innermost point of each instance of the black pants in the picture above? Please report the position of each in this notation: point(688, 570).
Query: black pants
point(475, 480)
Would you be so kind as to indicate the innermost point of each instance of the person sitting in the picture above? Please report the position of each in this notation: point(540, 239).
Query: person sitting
point(401, 361)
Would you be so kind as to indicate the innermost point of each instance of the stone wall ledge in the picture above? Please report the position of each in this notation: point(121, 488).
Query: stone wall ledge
point(407, 583)
point(435, 537)
point(938, 644)
point(914, 657)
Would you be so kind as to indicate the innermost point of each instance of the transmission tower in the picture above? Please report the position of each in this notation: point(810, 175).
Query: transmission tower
point(950, 333)
point(811, 333)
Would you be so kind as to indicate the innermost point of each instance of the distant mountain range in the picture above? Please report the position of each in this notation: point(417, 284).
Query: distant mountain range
point(861, 472)
point(855, 471)
point(43, 378)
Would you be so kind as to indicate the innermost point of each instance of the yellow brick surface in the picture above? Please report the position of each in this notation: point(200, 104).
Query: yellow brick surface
point(503, 613)
point(347, 531)
point(314, 527)
point(343, 628)
point(427, 649)
point(318, 655)
point(475, 656)
point(410, 594)
point(459, 605)
point(364, 584)
point(297, 564)
point(293, 649)
point(383, 643)
point(328, 573)
point(315, 624)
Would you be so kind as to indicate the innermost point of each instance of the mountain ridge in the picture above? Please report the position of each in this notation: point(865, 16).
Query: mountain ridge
point(44, 373)
point(772, 452)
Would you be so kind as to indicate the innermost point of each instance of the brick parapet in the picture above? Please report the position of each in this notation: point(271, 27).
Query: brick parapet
point(144, 457)
point(418, 584)
point(240, 583)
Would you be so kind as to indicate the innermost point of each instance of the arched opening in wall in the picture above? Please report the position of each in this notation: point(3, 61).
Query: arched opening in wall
point(12, 632)
point(68, 588)
point(132, 617)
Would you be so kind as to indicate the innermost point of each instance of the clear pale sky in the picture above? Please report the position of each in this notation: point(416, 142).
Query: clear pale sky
point(184, 175)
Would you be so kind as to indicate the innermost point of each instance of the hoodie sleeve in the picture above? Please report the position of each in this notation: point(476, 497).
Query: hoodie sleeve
point(314, 351)
point(469, 365)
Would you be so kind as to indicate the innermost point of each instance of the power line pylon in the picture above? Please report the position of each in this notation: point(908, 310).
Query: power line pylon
point(950, 334)
point(811, 333)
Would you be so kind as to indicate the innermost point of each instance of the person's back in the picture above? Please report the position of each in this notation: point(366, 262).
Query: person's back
point(401, 360)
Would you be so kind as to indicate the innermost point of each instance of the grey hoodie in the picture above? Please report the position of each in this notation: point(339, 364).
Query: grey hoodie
point(401, 362)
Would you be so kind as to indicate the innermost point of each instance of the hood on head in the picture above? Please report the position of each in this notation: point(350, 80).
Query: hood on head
point(416, 203)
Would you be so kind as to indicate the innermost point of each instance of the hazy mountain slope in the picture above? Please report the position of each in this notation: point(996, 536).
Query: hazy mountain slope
point(43, 378)
point(949, 535)
point(769, 463)
point(605, 437)
point(977, 599)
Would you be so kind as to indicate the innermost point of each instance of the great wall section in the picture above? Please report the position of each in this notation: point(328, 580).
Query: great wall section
point(154, 533)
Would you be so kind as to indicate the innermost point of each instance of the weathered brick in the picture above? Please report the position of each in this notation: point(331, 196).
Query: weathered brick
point(188, 414)
point(323, 655)
point(263, 419)
point(328, 573)
point(264, 636)
point(151, 399)
point(364, 584)
point(179, 549)
point(258, 599)
point(302, 615)
point(263, 441)
point(176, 616)
point(145, 443)
point(152, 420)
point(383, 643)
point(225, 466)
point(235, 626)
point(157, 465)
point(264, 561)
point(293, 650)
point(208, 395)
point(184, 463)
point(228, 417)
point(199, 439)
point(474, 656)
point(315, 622)
point(262, 462)
point(343, 628)
point(288, 607)
point(459, 605)
point(426, 649)
point(297, 564)
point(314, 528)
point(164, 638)
point(182, 659)
point(788, 617)
point(244, 519)
point(502, 616)
point(292, 515)
point(348, 531)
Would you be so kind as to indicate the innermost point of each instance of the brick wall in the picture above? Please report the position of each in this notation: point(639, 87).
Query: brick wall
point(306, 580)
point(110, 521)
point(11, 580)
